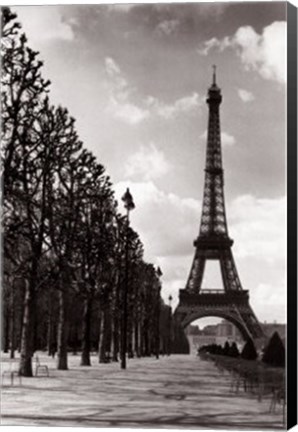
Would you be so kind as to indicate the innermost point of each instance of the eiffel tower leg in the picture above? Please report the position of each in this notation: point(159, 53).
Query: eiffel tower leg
point(229, 272)
point(250, 321)
point(196, 276)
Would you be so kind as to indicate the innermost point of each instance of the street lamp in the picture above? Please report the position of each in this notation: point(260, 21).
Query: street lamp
point(157, 341)
point(129, 205)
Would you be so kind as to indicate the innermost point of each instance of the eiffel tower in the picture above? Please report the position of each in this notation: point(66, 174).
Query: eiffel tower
point(214, 243)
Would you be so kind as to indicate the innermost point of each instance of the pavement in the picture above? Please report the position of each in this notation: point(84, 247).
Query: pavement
point(177, 391)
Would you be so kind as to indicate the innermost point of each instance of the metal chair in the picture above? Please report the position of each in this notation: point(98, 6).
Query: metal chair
point(11, 373)
point(41, 368)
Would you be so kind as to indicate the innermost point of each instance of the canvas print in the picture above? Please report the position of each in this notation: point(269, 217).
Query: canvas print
point(144, 215)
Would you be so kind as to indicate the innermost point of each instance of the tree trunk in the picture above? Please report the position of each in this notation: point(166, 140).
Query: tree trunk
point(169, 333)
point(157, 336)
point(105, 335)
point(129, 336)
point(116, 318)
point(12, 324)
point(109, 331)
point(115, 336)
point(150, 342)
point(35, 346)
point(5, 339)
point(63, 328)
point(23, 294)
point(6, 330)
point(85, 359)
point(145, 338)
point(137, 338)
point(101, 351)
point(26, 339)
point(50, 336)
point(75, 339)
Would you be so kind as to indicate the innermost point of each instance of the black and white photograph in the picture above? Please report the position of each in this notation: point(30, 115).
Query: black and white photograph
point(144, 215)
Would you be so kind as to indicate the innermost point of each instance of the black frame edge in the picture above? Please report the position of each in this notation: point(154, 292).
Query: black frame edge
point(292, 216)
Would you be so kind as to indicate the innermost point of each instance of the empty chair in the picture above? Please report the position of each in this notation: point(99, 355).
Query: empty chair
point(40, 368)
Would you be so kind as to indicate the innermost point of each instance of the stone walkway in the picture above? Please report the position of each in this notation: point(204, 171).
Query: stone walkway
point(179, 391)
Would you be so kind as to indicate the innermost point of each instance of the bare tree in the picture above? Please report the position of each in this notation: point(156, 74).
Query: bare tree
point(63, 236)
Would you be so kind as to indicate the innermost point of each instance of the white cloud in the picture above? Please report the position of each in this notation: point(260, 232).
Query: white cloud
point(113, 70)
point(148, 163)
point(127, 112)
point(175, 273)
point(227, 140)
point(273, 296)
point(185, 104)
point(214, 43)
point(46, 24)
point(264, 53)
point(245, 95)
point(167, 27)
point(259, 225)
point(121, 93)
point(204, 135)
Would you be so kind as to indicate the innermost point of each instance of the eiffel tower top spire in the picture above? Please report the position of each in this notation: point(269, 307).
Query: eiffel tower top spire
point(214, 93)
point(214, 75)
point(213, 220)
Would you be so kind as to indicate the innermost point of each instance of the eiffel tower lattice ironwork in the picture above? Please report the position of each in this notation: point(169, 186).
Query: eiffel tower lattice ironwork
point(214, 243)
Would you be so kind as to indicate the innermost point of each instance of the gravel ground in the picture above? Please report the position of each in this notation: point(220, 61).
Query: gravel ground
point(178, 391)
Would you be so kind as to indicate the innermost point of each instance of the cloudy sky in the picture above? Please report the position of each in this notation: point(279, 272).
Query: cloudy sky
point(135, 77)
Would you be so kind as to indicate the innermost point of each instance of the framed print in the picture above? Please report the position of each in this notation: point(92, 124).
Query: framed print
point(149, 215)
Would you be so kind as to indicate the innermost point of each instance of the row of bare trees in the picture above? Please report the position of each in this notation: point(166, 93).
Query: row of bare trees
point(63, 237)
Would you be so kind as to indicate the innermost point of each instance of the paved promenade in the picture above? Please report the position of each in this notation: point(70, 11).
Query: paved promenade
point(176, 392)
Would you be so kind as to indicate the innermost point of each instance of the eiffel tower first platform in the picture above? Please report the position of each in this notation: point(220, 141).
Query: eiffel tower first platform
point(214, 243)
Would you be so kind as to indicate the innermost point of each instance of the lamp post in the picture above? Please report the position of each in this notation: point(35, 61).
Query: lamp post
point(129, 205)
point(157, 342)
point(170, 324)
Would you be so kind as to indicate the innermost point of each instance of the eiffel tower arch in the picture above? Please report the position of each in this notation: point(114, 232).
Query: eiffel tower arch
point(214, 243)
